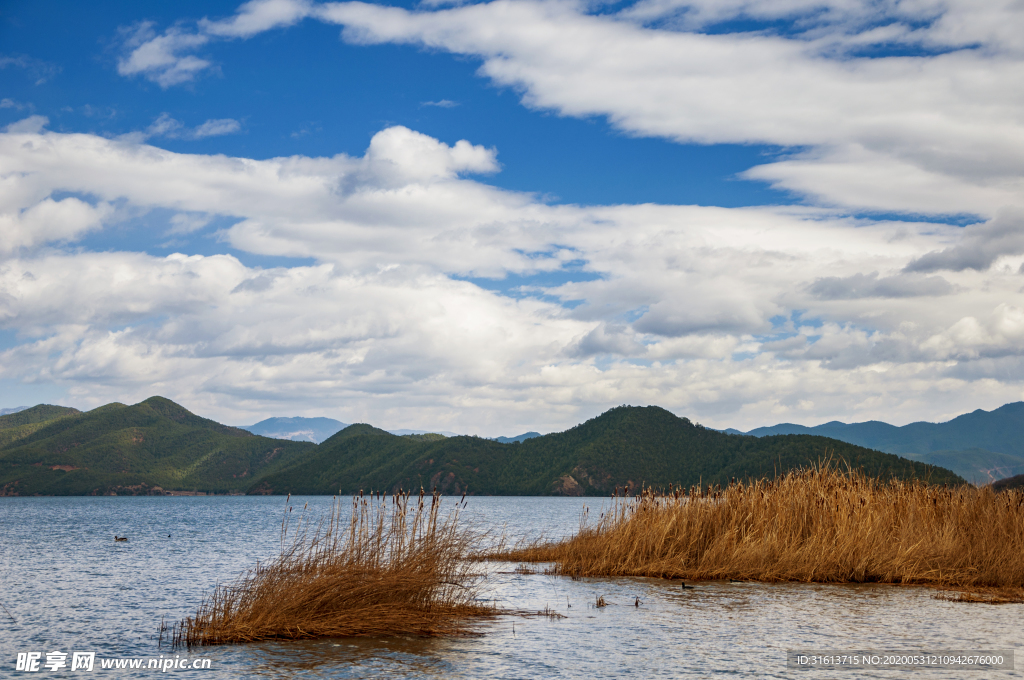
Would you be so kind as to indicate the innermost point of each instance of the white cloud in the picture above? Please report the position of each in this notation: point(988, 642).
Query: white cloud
point(187, 223)
point(921, 134)
point(257, 16)
point(166, 126)
point(733, 316)
point(32, 124)
point(49, 221)
point(162, 58)
point(935, 133)
point(217, 127)
point(980, 246)
point(442, 103)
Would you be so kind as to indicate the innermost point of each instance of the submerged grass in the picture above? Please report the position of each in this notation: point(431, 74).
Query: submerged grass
point(815, 525)
point(396, 567)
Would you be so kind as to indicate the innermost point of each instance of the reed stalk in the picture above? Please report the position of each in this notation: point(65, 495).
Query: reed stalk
point(813, 525)
point(395, 567)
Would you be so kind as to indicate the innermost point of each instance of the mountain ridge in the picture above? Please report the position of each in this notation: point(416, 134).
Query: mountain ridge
point(988, 444)
point(140, 449)
point(625, 446)
point(157, 446)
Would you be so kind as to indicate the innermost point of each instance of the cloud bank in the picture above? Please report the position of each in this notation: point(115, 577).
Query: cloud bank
point(734, 316)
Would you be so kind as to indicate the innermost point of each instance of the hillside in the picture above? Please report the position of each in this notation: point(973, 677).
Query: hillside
point(997, 430)
point(977, 466)
point(980, 445)
point(1015, 482)
point(24, 422)
point(132, 449)
point(624, 446)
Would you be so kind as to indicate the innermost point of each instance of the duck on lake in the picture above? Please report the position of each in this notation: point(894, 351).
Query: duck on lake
point(120, 538)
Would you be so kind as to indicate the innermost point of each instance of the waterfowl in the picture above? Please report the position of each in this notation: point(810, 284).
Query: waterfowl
point(120, 538)
point(686, 587)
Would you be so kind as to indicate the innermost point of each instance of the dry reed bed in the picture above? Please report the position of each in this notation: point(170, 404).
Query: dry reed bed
point(814, 525)
point(396, 567)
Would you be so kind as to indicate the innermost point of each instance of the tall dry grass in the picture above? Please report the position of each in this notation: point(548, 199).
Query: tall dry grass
point(818, 524)
point(395, 567)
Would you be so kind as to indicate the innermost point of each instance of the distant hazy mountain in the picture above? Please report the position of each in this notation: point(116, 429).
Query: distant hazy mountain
point(316, 430)
point(977, 466)
point(980, 446)
point(297, 429)
point(402, 433)
point(9, 411)
point(519, 438)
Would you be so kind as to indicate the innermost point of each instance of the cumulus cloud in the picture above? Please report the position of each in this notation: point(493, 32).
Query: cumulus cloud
point(608, 339)
point(32, 124)
point(870, 285)
point(693, 308)
point(49, 221)
point(979, 247)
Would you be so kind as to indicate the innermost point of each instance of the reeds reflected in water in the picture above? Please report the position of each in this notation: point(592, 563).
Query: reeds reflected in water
point(396, 567)
point(815, 525)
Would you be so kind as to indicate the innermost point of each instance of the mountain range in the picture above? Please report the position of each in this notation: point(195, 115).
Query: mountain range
point(625, 446)
point(318, 429)
point(157, 447)
point(981, 446)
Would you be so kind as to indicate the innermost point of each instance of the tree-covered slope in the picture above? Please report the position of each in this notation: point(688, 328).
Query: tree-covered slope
point(624, 446)
point(977, 466)
point(131, 449)
point(1000, 430)
point(1015, 482)
point(21, 424)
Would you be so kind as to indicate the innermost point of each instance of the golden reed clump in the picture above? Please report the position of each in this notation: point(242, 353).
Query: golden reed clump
point(816, 525)
point(396, 567)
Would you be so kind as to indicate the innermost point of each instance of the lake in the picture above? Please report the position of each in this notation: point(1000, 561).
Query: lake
point(67, 586)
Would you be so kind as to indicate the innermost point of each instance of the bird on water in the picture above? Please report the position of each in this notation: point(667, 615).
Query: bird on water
point(120, 538)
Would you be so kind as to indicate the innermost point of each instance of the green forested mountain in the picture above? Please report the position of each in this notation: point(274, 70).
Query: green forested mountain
point(1015, 482)
point(624, 446)
point(157, 445)
point(977, 466)
point(23, 423)
point(981, 446)
point(122, 449)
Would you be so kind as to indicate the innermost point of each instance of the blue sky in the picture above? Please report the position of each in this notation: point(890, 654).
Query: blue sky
point(513, 215)
point(303, 90)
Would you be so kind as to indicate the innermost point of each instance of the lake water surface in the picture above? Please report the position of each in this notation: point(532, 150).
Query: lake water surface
point(68, 586)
